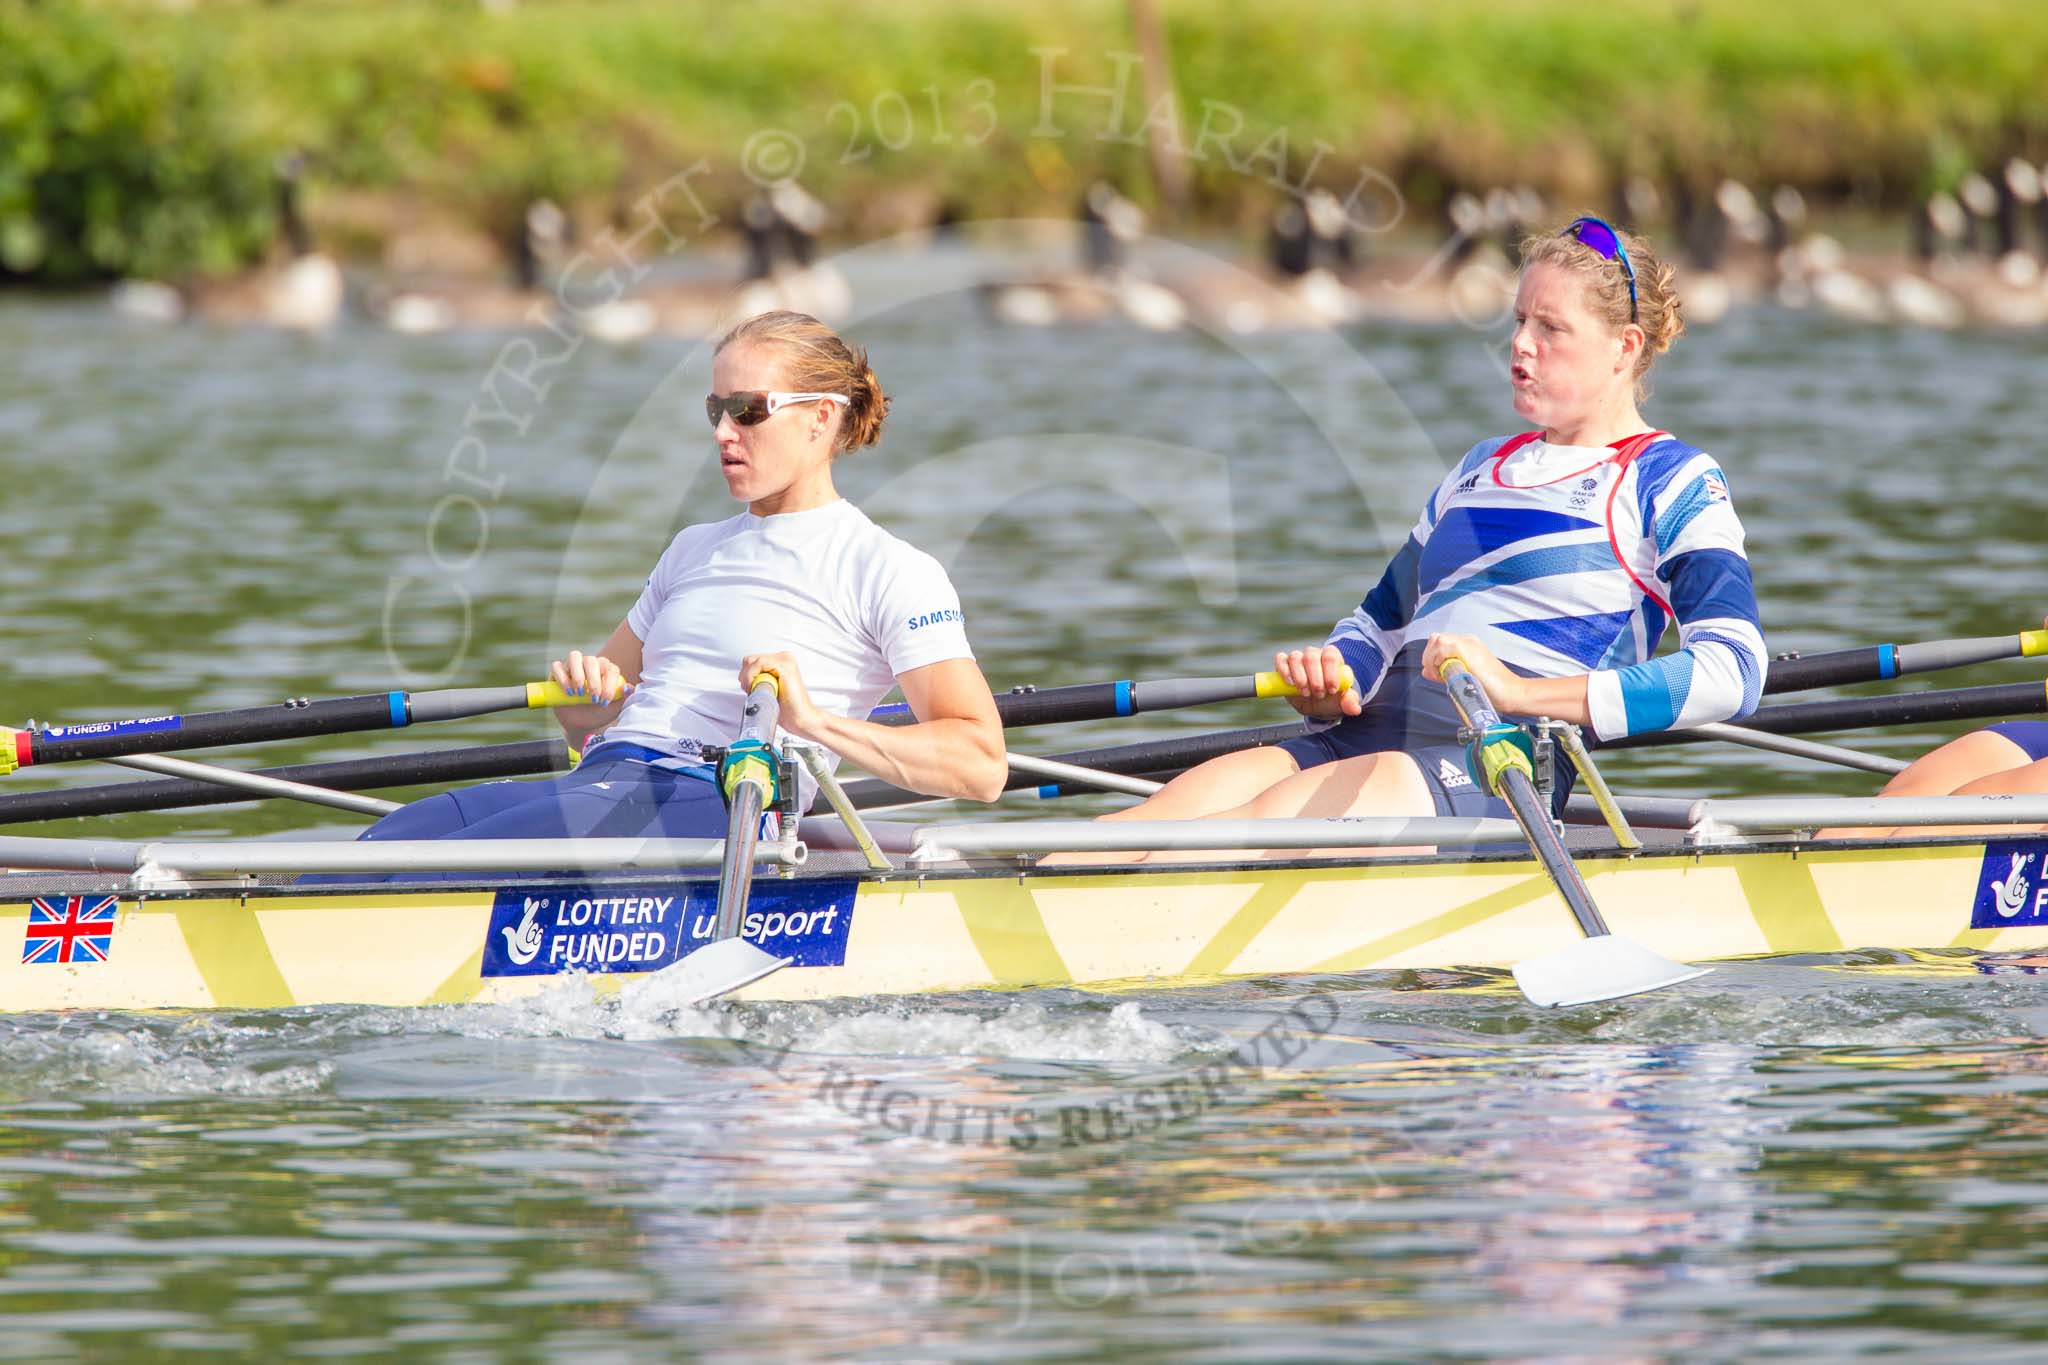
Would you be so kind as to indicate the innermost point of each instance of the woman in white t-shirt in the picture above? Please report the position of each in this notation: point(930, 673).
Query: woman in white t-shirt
point(801, 583)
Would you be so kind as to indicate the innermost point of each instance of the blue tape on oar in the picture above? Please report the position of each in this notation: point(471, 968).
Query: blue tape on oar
point(1887, 661)
point(400, 715)
point(1123, 698)
point(1049, 791)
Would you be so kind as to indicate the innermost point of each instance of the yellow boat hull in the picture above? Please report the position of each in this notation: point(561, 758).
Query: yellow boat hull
point(990, 929)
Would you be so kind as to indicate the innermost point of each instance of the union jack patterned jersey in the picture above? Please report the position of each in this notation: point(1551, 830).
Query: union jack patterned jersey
point(1567, 560)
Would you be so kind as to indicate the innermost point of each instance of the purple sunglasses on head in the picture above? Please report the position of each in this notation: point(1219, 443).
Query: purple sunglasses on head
point(1599, 234)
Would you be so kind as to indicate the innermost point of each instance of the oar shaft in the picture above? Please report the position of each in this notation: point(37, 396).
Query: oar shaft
point(476, 764)
point(299, 719)
point(1130, 760)
point(1527, 806)
point(1852, 713)
point(1533, 816)
point(160, 734)
point(1028, 706)
point(736, 868)
point(747, 777)
point(1876, 663)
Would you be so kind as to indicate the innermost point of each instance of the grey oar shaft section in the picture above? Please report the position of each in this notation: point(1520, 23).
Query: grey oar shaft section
point(1172, 694)
point(1528, 807)
point(1933, 655)
point(458, 703)
point(747, 791)
point(1534, 818)
point(256, 784)
point(1801, 748)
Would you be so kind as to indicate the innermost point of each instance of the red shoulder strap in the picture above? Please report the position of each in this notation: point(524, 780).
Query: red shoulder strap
point(1513, 444)
point(1625, 455)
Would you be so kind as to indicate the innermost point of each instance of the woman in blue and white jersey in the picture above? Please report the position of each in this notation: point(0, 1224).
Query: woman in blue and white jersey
point(1551, 562)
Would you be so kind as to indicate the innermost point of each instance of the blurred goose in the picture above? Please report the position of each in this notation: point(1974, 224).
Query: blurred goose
point(538, 251)
point(1106, 288)
point(1980, 207)
point(304, 293)
point(1308, 243)
point(780, 232)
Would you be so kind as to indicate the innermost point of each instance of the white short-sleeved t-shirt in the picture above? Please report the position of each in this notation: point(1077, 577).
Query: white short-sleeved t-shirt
point(854, 604)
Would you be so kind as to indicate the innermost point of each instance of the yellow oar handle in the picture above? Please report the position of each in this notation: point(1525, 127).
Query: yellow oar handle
point(552, 693)
point(1271, 684)
point(2033, 643)
point(771, 679)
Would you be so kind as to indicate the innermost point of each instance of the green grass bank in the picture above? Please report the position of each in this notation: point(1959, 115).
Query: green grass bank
point(890, 108)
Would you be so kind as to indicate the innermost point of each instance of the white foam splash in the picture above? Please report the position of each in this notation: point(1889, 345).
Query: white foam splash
point(106, 1059)
point(1073, 1029)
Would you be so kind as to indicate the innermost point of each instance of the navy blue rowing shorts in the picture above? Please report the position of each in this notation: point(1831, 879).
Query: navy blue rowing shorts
point(2030, 735)
point(1442, 766)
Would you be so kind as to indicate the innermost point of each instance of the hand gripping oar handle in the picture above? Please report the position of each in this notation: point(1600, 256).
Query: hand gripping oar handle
point(748, 779)
point(1508, 775)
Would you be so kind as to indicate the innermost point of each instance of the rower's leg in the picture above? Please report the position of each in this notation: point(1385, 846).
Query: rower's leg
point(441, 816)
point(633, 803)
point(1945, 771)
point(1383, 784)
point(447, 813)
point(620, 800)
point(2027, 780)
point(1221, 784)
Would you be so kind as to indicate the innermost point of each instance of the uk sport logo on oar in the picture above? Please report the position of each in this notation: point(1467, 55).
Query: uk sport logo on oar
point(76, 929)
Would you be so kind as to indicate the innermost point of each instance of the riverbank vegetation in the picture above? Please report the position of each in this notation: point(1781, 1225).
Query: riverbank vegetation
point(136, 138)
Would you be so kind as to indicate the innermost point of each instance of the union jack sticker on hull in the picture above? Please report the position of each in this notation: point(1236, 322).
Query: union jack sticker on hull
point(73, 929)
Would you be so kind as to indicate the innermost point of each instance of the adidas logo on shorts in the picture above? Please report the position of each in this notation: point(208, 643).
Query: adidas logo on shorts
point(1451, 775)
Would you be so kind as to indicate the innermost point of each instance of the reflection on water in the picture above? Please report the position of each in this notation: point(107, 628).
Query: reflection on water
point(1835, 1156)
point(1458, 1179)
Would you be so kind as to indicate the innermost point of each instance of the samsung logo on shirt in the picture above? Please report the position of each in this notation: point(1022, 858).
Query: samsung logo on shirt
point(935, 618)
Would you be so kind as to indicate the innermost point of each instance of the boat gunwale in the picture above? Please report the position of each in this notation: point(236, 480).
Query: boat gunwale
point(1003, 869)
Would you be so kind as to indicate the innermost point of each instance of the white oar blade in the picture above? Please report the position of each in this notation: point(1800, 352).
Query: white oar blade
point(719, 969)
point(1606, 967)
